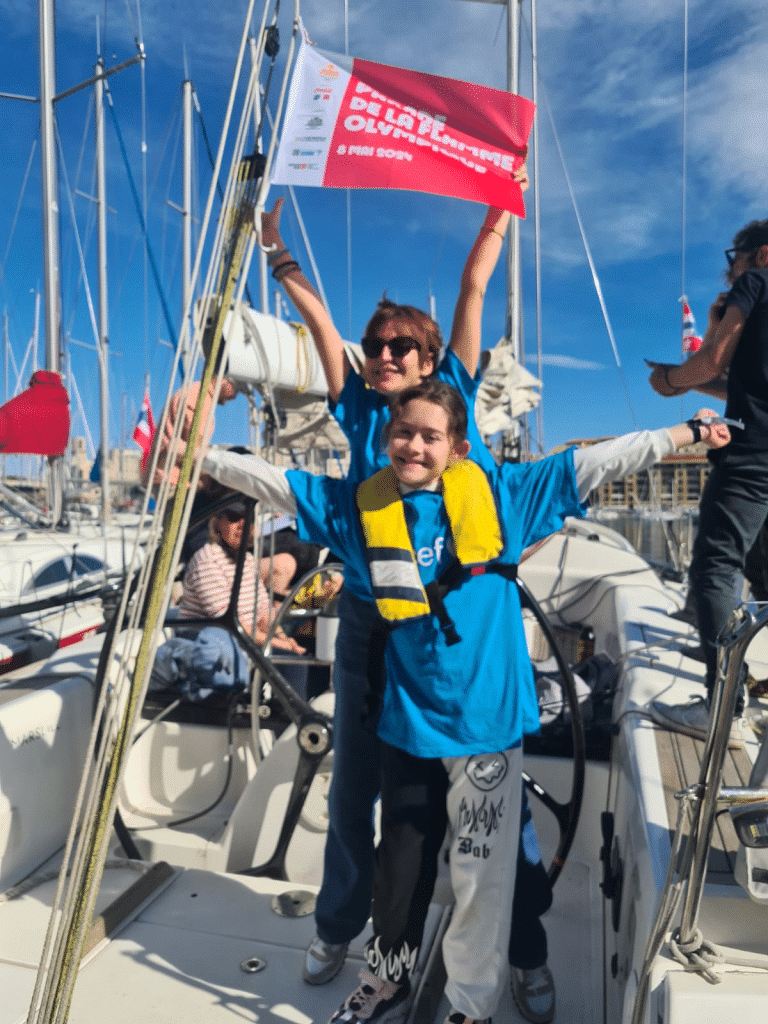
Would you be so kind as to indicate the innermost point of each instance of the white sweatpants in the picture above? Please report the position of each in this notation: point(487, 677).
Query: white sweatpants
point(483, 802)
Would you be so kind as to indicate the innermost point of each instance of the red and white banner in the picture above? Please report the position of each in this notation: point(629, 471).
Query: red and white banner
point(353, 124)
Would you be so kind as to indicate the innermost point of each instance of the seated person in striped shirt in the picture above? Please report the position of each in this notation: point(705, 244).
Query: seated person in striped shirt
point(211, 573)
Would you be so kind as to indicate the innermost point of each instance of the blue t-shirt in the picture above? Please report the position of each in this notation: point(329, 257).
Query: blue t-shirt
point(362, 412)
point(477, 696)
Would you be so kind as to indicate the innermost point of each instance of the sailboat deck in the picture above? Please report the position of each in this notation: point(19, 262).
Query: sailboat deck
point(174, 945)
point(680, 763)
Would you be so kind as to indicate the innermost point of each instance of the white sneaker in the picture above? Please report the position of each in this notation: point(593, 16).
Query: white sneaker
point(692, 719)
point(534, 993)
point(323, 961)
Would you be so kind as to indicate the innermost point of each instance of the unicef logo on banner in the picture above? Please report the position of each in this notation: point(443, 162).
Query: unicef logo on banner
point(486, 771)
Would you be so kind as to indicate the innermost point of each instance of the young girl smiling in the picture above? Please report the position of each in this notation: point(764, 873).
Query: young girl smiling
point(454, 687)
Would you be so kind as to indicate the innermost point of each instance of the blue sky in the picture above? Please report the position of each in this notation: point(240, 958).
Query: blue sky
point(611, 74)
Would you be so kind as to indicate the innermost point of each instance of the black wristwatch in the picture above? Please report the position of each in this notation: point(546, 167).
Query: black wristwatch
point(695, 426)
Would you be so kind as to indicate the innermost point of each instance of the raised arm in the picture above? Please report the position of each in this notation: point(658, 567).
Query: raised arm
point(481, 262)
point(705, 370)
point(631, 453)
point(285, 269)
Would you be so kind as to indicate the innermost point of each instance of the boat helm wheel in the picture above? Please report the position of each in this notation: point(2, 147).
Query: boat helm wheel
point(566, 812)
point(315, 738)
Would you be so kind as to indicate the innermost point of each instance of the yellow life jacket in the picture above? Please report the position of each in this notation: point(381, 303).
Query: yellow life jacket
point(477, 538)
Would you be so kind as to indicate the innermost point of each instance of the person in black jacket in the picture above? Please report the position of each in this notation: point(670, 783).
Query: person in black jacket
point(733, 357)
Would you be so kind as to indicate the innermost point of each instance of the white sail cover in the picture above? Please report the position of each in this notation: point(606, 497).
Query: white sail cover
point(265, 350)
point(507, 391)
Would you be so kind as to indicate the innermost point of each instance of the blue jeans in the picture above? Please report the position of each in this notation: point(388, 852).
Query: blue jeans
point(344, 901)
point(731, 512)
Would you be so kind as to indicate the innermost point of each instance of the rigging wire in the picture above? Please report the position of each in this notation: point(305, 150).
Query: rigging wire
point(18, 209)
point(584, 242)
point(139, 234)
point(76, 237)
point(684, 187)
point(144, 198)
point(537, 231)
point(448, 218)
point(349, 199)
point(90, 219)
point(140, 205)
point(209, 151)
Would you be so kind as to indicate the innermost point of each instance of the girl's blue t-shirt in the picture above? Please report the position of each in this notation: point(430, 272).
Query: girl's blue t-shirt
point(477, 696)
point(362, 413)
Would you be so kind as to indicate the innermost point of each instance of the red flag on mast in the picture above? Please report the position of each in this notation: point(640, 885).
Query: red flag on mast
point(144, 430)
point(691, 341)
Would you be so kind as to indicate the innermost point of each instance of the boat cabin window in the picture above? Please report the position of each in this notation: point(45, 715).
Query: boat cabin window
point(87, 563)
point(56, 572)
point(59, 571)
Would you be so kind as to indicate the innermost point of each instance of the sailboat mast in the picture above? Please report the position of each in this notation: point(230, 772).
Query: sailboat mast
point(50, 197)
point(513, 249)
point(103, 353)
point(186, 241)
point(49, 179)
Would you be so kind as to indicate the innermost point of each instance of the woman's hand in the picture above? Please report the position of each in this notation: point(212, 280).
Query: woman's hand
point(521, 177)
point(660, 382)
point(282, 642)
point(270, 226)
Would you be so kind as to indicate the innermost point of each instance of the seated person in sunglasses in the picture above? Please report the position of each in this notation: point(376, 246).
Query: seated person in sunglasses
point(211, 573)
point(402, 346)
point(195, 662)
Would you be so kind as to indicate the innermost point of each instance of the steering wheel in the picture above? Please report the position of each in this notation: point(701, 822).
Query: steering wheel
point(566, 812)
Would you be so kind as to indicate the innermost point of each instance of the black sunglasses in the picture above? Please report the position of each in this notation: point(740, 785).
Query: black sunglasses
point(232, 515)
point(399, 347)
point(731, 254)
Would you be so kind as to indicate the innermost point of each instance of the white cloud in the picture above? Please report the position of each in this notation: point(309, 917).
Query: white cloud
point(566, 362)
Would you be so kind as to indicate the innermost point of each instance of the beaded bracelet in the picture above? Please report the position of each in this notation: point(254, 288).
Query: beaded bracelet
point(494, 231)
point(283, 269)
point(276, 256)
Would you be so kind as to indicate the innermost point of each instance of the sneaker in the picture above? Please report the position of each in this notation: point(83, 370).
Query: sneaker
point(323, 961)
point(373, 999)
point(692, 719)
point(454, 1017)
point(534, 993)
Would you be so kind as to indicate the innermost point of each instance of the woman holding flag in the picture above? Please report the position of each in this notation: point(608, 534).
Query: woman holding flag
point(402, 347)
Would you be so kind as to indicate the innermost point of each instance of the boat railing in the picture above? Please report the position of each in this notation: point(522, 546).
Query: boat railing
point(710, 795)
point(705, 799)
